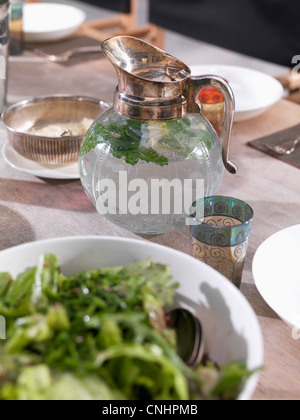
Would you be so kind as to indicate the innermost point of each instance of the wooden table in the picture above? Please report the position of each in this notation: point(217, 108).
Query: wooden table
point(33, 209)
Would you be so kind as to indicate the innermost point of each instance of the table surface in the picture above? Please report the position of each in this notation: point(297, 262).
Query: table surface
point(32, 208)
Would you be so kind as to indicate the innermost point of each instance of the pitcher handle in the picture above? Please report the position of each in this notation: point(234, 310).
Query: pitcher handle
point(195, 85)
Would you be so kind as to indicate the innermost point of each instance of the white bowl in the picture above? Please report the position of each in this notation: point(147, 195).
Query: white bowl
point(255, 92)
point(276, 272)
point(232, 332)
point(44, 22)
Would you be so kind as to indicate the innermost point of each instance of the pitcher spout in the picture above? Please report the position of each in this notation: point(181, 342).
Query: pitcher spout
point(145, 71)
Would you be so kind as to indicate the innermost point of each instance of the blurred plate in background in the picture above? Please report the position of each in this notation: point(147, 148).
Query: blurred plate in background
point(44, 22)
point(255, 92)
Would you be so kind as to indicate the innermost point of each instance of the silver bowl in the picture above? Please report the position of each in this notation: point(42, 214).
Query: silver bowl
point(45, 110)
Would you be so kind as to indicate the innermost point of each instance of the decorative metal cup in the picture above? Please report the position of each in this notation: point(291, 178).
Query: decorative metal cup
point(221, 237)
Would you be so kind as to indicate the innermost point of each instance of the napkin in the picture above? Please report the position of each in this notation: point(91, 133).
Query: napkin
point(277, 138)
point(60, 47)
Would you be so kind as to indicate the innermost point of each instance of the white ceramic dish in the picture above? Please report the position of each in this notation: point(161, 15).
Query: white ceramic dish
point(17, 161)
point(232, 332)
point(255, 92)
point(276, 271)
point(46, 22)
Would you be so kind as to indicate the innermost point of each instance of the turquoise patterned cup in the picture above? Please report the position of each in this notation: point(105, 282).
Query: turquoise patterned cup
point(220, 238)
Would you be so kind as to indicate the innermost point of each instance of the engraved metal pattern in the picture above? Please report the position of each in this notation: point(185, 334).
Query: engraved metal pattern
point(229, 261)
point(221, 237)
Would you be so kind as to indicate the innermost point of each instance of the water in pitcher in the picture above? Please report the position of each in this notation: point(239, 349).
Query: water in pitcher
point(141, 180)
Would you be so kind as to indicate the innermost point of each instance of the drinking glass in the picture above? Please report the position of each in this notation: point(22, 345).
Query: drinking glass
point(220, 238)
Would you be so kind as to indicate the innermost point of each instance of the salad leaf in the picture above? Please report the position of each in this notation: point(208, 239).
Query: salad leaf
point(22, 288)
point(41, 383)
point(47, 278)
point(33, 381)
point(5, 283)
point(225, 382)
point(28, 331)
point(91, 388)
point(57, 318)
point(143, 371)
point(232, 377)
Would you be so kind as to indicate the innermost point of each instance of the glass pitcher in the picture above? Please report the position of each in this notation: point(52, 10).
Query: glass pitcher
point(148, 158)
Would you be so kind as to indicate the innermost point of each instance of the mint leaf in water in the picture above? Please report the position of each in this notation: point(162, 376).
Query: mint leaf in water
point(124, 142)
point(183, 139)
point(91, 140)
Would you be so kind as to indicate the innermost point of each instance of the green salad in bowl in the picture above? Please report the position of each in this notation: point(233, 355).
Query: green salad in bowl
point(100, 335)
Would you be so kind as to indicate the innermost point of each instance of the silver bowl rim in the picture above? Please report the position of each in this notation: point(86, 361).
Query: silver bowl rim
point(49, 98)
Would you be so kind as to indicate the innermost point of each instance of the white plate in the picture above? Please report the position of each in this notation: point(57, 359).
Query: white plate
point(255, 92)
point(19, 162)
point(44, 22)
point(231, 328)
point(276, 271)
